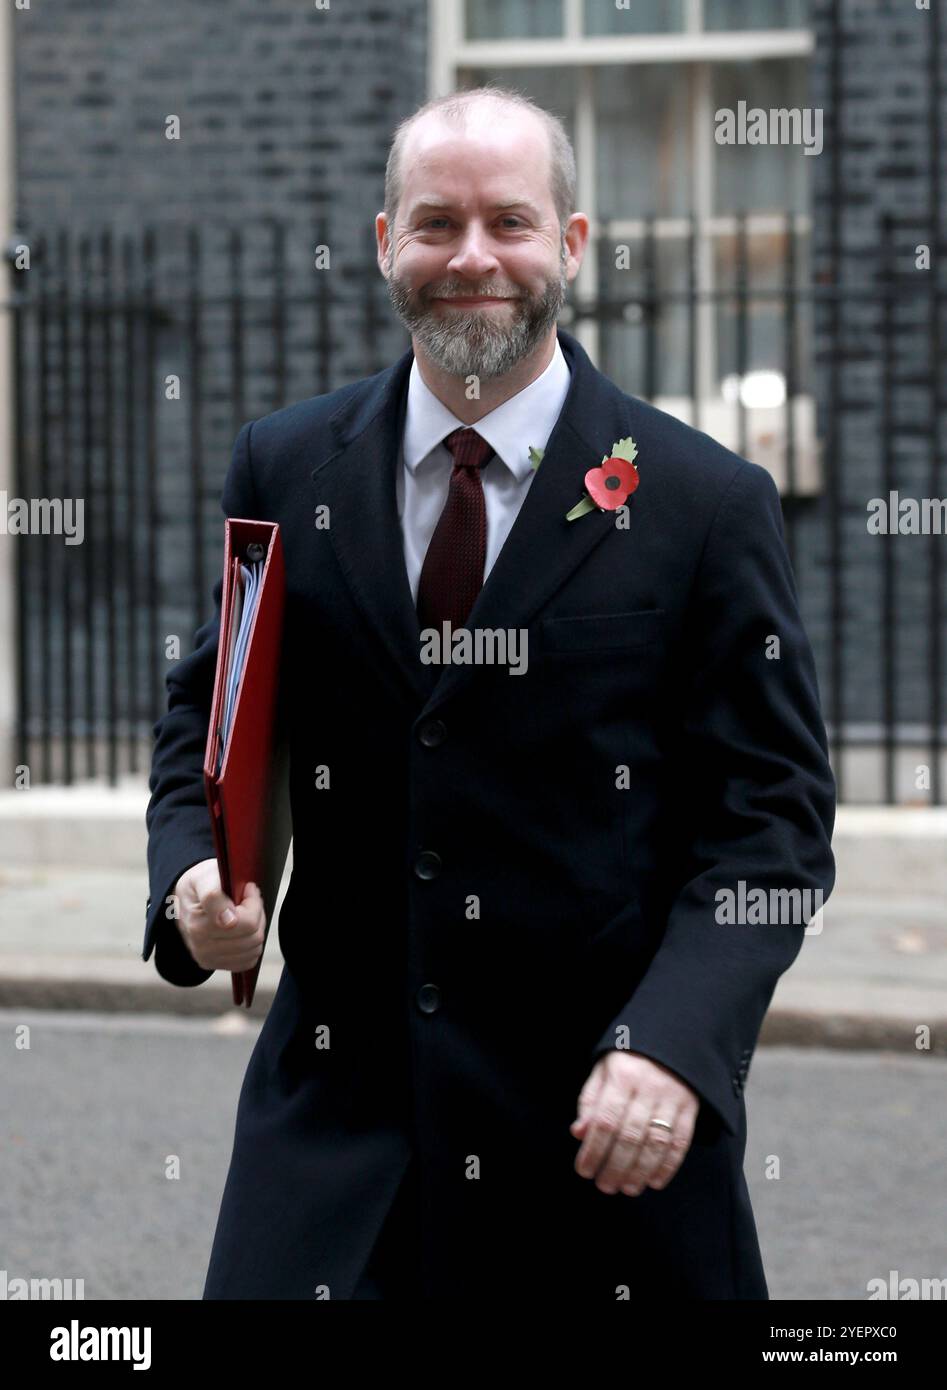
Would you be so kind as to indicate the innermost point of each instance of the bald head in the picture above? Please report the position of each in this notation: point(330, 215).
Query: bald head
point(477, 242)
point(495, 117)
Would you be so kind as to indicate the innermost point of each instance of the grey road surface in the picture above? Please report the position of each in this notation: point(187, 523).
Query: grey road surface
point(117, 1132)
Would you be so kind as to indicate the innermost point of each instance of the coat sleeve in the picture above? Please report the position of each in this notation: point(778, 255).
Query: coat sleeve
point(177, 818)
point(759, 805)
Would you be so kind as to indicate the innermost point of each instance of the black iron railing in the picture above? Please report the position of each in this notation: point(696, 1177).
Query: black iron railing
point(138, 358)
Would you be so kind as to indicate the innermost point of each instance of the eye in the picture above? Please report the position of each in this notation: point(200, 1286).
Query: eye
point(508, 218)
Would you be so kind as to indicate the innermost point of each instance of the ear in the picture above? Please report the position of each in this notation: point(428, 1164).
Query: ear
point(576, 237)
point(382, 238)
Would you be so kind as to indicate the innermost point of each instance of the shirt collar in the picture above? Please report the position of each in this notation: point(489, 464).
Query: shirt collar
point(525, 419)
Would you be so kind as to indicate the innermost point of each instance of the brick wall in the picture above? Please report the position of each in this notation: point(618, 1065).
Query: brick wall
point(287, 110)
point(883, 99)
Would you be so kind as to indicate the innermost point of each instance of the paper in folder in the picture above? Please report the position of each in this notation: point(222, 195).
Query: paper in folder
point(246, 761)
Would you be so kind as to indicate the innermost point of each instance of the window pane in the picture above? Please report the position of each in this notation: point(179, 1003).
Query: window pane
point(551, 88)
point(641, 17)
point(758, 406)
point(645, 329)
point(756, 14)
point(513, 19)
point(760, 178)
point(642, 141)
point(754, 338)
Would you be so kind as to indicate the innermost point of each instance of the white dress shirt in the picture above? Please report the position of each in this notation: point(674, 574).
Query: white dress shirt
point(426, 463)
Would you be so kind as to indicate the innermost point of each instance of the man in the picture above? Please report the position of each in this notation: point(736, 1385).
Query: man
point(507, 1053)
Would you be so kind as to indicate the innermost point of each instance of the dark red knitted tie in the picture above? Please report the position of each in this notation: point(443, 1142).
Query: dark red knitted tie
point(452, 573)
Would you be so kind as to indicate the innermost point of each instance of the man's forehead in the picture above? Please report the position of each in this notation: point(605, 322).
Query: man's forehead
point(500, 131)
point(429, 197)
point(514, 174)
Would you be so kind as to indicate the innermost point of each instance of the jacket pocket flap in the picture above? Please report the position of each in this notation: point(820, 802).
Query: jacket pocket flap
point(602, 631)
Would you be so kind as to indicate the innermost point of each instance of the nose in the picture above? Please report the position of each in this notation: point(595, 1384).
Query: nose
point(473, 256)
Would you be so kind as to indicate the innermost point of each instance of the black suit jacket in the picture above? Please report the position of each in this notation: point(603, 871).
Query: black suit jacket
point(510, 874)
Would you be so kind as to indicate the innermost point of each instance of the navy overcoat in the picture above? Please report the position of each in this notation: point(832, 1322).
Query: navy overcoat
point(508, 874)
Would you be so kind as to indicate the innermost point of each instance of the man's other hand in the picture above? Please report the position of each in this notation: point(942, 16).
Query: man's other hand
point(218, 934)
point(621, 1150)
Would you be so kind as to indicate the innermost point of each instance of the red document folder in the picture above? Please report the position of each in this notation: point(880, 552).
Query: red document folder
point(246, 767)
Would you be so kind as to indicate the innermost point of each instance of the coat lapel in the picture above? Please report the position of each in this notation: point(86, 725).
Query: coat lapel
point(540, 552)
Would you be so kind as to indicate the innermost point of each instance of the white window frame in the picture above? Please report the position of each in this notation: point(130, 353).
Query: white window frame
point(451, 54)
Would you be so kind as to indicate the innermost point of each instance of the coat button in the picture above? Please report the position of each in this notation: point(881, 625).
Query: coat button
point(429, 999)
point(432, 733)
point(427, 864)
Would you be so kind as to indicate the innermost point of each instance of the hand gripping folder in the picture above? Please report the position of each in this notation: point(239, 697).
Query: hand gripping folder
point(246, 760)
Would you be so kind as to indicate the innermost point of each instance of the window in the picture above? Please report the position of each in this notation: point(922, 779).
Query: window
point(690, 290)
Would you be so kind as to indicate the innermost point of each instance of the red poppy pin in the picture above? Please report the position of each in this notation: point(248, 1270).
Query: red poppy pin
point(609, 485)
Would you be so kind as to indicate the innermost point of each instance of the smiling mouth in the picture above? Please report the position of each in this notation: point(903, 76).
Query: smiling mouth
point(467, 300)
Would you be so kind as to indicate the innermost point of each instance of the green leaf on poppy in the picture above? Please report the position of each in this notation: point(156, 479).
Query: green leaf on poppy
point(580, 508)
point(625, 449)
point(535, 456)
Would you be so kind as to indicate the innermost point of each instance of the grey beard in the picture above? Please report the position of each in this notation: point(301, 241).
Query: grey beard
point(470, 344)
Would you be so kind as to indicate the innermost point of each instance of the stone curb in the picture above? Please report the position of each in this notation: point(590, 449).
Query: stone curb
point(782, 1027)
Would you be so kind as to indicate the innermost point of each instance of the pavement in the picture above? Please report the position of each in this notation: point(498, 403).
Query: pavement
point(872, 972)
